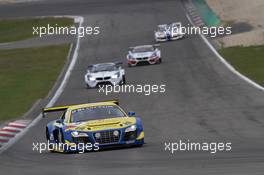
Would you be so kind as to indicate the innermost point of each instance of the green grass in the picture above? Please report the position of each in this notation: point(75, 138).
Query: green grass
point(22, 28)
point(27, 75)
point(247, 60)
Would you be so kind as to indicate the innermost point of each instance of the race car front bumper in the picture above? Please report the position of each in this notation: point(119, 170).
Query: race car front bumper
point(176, 37)
point(169, 38)
point(96, 81)
point(158, 39)
point(150, 60)
point(78, 144)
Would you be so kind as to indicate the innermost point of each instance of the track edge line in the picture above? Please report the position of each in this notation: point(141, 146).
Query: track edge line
point(223, 60)
point(77, 19)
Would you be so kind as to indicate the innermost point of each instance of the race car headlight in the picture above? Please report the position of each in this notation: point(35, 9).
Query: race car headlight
point(154, 54)
point(78, 134)
point(97, 135)
point(131, 57)
point(176, 32)
point(160, 34)
point(131, 128)
point(90, 78)
point(116, 75)
point(116, 133)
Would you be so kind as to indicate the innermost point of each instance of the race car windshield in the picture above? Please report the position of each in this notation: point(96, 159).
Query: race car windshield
point(162, 29)
point(95, 113)
point(143, 49)
point(104, 67)
point(176, 27)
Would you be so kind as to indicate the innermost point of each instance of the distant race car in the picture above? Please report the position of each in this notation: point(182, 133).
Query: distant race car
point(167, 32)
point(102, 124)
point(112, 73)
point(144, 54)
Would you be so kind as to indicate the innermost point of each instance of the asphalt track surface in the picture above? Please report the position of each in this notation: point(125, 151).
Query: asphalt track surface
point(204, 101)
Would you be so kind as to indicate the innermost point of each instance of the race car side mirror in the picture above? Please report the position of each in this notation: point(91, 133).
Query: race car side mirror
point(59, 121)
point(131, 113)
point(89, 67)
point(43, 114)
point(119, 64)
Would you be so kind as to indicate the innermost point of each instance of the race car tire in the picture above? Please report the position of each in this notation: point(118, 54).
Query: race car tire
point(139, 145)
point(60, 137)
point(47, 134)
point(88, 87)
point(48, 139)
point(123, 80)
point(160, 61)
point(129, 65)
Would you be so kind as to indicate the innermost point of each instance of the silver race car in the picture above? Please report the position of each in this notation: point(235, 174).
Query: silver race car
point(168, 32)
point(111, 73)
point(144, 54)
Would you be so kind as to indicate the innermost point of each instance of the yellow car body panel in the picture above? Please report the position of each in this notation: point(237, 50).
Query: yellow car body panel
point(103, 124)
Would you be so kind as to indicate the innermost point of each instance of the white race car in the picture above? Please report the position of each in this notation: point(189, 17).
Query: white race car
point(168, 32)
point(143, 54)
point(105, 73)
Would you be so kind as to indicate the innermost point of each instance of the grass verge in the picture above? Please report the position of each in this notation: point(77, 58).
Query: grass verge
point(27, 75)
point(247, 60)
point(22, 28)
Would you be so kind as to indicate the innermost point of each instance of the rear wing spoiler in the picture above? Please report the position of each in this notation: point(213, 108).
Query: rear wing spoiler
point(53, 109)
point(153, 45)
point(112, 101)
point(176, 23)
point(162, 25)
point(119, 63)
point(90, 67)
point(156, 45)
point(64, 108)
point(116, 63)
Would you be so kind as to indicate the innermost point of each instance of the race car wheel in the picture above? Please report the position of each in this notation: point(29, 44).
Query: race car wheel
point(48, 139)
point(47, 134)
point(60, 137)
point(160, 61)
point(88, 87)
point(123, 80)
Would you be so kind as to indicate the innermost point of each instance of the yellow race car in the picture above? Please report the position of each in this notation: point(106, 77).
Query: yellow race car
point(93, 126)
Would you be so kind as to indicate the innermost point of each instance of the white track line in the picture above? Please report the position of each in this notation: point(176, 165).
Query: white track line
point(77, 19)
point(16, 124)
point(8, 133)
point(230, 67)
point(4, 138)
point(11, 129)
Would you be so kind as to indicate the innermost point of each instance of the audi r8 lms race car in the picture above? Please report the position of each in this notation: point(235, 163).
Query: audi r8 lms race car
point(102, 124)
point(111, 73)
point(144, 54)
point(167, 32)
